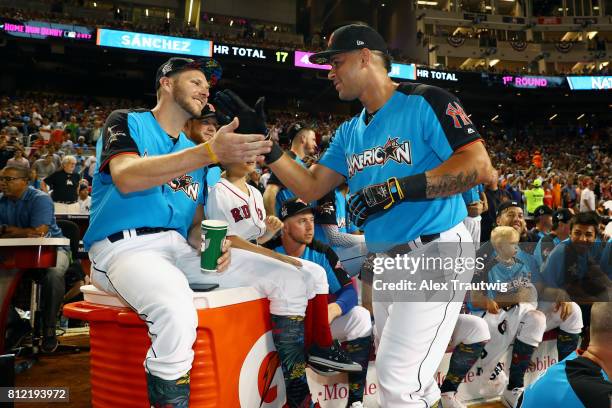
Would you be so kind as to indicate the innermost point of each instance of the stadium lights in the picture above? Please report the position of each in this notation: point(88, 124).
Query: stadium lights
point(493, 62)
point(488, 7)
point(231, 23)
point(580, 117)
point(275, 28)
point(553, 116)
point(427, 3)
point(147, 12)
point(596, 8)
point(494, 117)
point(95, 4)
point(190, 10)
point(168, 15)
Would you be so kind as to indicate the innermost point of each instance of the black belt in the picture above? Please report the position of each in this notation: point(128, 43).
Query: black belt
point(406, 248)
point(65, 202)
point(139, 231)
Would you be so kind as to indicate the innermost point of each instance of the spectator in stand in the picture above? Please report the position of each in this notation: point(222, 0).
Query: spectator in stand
point(84, 131)
point(18, 159)
point(72, 128)
point(90, 168)
point(64, 184)
point(534, 196)
point(548, 195)
point(34, 180)
point(97, 130)
point(44, 131)
point(543, 218)
point(84, 199)
point(587, 197)
point(569, 194)
point(57, 136)
point(27, 212)
point(44, 167)
point(556, 193)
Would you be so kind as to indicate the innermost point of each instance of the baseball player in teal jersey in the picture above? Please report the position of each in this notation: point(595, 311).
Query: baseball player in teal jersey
point(559, 232)
point(406, 157)
point(148, 190)
point(303, 143)
point(333, 227)
point(582, 380)
point(476, 203)
point(349, 322)
point(579, 268)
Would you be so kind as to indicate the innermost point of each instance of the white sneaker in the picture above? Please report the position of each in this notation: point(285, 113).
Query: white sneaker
point(450, 400)
point(496, 386)
point(357, 404)
point(510, 398)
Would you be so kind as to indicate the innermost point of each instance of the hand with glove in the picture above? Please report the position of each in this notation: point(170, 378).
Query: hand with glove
point(374, 199)
point(229, 106)
point(252, 120)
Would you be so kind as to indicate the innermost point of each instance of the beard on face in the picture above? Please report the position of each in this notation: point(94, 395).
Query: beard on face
point(184, 101)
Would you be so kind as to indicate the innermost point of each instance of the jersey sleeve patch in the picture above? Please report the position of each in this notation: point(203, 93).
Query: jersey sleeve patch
point(456, 124)
point(116, 138)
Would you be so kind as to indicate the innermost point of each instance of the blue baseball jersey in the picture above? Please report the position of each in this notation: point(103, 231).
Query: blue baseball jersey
point(488, 255)
point(416, 130)
point(171, 205)
point(284, 193)
point(575, 382)
point(515, 276)
point(471, 196)
point(566, 266)
point(331, 210)
point(213, 175)
point(544, 247)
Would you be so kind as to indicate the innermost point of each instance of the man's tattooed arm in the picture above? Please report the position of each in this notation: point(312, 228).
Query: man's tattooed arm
point(450, 184)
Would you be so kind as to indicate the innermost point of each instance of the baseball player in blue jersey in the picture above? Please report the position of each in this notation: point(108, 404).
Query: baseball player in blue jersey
point(582, 380)
point(148, 190)
point(558, 233)
point(580, 267)
point(349, 322)
point(303, 143)
point(406, 157)
point(334, 228)
point(476, 203)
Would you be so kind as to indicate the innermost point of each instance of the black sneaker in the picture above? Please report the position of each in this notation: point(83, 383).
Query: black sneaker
point(322, 370)
point(333, 357)
point(49, 344)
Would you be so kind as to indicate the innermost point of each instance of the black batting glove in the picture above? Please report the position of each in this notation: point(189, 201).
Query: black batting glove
point(228, 105)
point(374, 199)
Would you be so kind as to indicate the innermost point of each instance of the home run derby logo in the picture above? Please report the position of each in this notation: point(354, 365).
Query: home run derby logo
point(185, 184)
point(380, 155)
point(261, 382)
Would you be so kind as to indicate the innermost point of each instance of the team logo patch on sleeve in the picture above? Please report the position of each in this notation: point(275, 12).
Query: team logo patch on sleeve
point(185, 184)
point(380, 155)
point(456, 112)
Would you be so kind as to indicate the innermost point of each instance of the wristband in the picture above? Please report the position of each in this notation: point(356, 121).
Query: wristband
point(413, 187)
point(211, 155)
point(275, 154)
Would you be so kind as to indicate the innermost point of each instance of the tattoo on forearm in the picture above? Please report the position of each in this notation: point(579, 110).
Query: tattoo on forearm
point(450, 184)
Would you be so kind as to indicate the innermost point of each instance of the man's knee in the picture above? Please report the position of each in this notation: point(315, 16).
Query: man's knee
point(573, 323)
point(532, 330)
point(360, 323)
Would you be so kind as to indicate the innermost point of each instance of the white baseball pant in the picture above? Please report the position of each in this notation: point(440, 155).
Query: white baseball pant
point(414, 335)
point(152, 274)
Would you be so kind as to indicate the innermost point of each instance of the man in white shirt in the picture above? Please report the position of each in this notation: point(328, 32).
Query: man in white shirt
point(587, 197)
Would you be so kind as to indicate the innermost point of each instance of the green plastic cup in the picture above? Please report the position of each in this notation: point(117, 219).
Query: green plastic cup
point(213, 236)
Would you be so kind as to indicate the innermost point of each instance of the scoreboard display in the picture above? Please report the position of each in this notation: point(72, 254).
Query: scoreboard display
point(253, 54)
